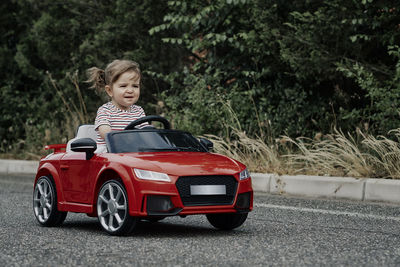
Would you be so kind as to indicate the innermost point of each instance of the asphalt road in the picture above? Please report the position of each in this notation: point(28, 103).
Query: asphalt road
point(280, 231)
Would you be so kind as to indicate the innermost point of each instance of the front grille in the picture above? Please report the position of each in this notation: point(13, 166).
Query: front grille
point(184, 182)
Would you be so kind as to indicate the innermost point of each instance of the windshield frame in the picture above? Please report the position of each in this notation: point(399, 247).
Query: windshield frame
point(112, 147)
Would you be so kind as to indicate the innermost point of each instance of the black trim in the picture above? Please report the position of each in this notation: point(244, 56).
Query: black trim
point(159, 205)
point(87, 145)
point(111, 145)
point(243, 201)
point(184, 182)
point(172, 212)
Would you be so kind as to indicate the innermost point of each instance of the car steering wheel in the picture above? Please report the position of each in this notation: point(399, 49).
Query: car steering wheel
point(133, 124)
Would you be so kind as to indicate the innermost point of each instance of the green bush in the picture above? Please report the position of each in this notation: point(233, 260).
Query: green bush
point(272, 67)
point(296, 67)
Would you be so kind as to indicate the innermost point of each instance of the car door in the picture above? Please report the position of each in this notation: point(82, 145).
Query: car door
point(76, 177)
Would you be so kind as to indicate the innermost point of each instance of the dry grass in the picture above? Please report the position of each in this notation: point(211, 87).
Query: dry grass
point(50, 131)
point(335, 154)
point(384, 154)
point(253, 152)
point(75, 115)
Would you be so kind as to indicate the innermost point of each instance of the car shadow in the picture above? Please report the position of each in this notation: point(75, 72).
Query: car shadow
point(91, 225)
point(167, 229)
point(151, 229)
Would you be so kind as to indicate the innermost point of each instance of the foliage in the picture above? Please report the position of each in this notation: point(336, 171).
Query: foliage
point(47, 42)
point(291, 66)
point(384, 95)
point(282, 67)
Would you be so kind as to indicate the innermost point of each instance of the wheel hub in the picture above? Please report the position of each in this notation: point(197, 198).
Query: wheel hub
point(112, 207)
point(42, 200)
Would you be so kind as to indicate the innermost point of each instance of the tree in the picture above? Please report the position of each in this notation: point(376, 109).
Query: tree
point(51, 41)
point(295, 61)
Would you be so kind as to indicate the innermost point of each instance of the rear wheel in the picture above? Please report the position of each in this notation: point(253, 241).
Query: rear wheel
point(113, 210)
point(45, 203)
point(227, 221)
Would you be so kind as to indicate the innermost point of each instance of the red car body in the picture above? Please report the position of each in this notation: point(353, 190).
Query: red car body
point(146, 174)
point(78, 180)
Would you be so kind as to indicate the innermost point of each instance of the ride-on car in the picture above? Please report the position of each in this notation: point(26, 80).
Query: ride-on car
point(146, 173)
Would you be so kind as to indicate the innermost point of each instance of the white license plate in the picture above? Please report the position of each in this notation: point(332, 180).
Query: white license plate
point(201, 190)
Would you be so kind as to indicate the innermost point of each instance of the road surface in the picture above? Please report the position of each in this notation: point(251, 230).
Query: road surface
point(280, 231)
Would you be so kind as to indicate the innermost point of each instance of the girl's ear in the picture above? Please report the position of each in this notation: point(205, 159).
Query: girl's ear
point(109, 90)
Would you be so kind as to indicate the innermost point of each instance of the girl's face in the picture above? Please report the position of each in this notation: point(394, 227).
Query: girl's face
point(125, 91)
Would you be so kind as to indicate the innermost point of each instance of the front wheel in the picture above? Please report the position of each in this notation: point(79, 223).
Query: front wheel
point(226, 221)
point(45, 203)
point(112, 209)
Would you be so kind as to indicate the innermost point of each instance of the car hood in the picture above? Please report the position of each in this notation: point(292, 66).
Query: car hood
point(183, 163)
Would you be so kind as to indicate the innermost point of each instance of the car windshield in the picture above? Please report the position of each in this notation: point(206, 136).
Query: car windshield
point(152, 140)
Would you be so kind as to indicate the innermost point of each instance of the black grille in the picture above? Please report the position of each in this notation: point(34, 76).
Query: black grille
point(183, 185)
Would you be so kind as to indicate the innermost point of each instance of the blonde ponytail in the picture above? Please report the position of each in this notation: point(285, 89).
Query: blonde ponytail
point(96, 77)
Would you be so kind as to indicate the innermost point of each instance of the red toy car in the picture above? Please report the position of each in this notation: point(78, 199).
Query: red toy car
point(147, 173)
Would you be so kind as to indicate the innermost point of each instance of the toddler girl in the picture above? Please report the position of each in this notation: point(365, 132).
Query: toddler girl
point(121, 81)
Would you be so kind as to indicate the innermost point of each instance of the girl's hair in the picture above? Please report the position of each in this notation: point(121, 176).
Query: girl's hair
point(100, 78)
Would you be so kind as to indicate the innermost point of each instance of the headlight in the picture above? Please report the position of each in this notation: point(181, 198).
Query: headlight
point(149, 175)
point(244, 174)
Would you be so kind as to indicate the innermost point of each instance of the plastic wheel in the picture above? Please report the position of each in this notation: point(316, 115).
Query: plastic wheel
point(226, 221)
point(45, 203)
point(113, 210)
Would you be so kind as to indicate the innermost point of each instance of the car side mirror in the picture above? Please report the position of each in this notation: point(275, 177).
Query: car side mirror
point(87, 145)
point(206, 143)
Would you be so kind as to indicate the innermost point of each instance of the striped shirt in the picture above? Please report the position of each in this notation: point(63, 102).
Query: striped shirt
point(117, 119)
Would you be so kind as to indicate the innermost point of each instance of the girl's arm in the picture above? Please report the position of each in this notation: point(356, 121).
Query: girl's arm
point(103, 130)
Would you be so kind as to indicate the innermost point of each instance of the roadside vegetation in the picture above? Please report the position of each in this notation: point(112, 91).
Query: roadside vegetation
point(335, 154)
point(284, 86)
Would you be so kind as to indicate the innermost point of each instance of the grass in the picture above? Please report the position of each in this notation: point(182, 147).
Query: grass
point(253, 152)
point(335, 154)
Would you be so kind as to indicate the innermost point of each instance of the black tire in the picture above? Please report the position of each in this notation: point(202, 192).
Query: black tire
point(113, 210)
point(45, 203)
point(226, 221)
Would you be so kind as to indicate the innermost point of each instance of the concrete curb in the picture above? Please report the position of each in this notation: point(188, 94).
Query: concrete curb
point(18, 166)
point(363, 189)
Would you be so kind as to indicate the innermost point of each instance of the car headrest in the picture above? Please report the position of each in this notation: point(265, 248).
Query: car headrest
point(86, 131)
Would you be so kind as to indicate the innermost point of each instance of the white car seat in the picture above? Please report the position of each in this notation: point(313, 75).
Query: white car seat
point(84, 131)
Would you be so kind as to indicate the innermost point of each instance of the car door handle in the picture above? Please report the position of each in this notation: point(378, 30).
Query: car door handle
point(64, 167)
